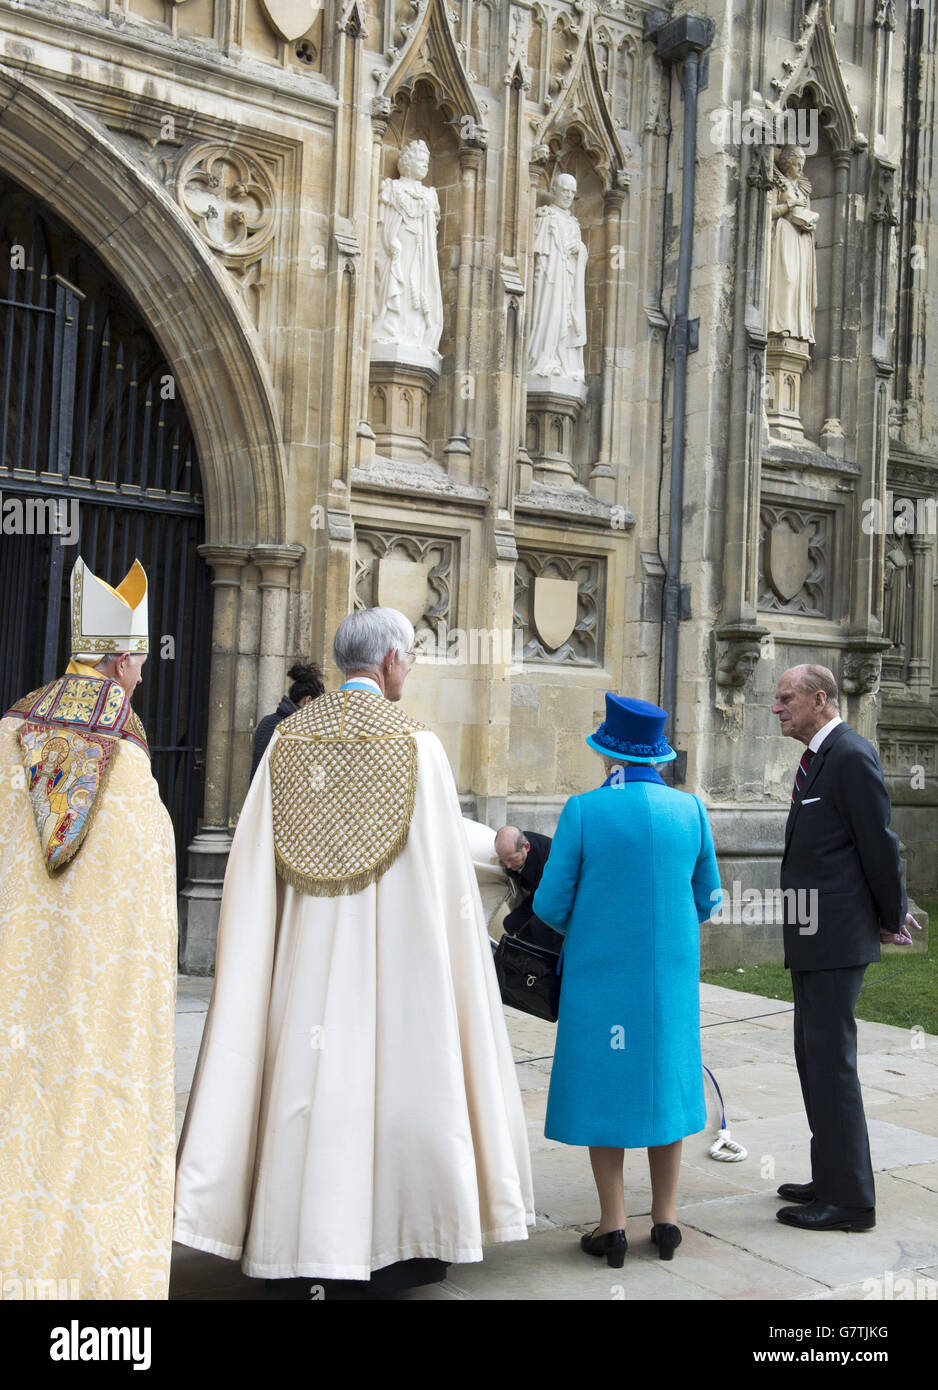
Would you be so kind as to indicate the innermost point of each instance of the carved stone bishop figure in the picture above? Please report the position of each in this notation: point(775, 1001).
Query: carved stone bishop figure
point(557, 330)
point(408, 300)
point(793, 274)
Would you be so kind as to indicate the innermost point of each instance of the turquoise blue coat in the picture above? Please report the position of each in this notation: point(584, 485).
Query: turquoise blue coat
point(631, 875)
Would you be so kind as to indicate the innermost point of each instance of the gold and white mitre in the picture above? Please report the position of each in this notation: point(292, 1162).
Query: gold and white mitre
point(106, 620)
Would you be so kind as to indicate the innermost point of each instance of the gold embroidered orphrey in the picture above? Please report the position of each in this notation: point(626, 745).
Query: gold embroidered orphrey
point(70, 732)
point(343, 780)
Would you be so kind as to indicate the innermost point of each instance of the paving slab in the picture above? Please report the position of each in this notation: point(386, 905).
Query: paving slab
point(913, 1286)
point(925, 1174)
point(733, 1246)
point(905, 1236)
point(712, 1265)
point(733, 1003)
point(551, 1266)
point(898, 1073)
point(909, 1114)
point(760, 1089)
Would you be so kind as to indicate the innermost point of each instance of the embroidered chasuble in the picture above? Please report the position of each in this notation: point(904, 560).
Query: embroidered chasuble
point(355, 1102)
point(87, 999)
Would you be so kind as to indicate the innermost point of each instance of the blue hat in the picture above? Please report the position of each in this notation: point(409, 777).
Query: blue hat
point(633, 731)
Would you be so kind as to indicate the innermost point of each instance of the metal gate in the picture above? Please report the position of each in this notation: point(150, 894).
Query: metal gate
point(95, 445)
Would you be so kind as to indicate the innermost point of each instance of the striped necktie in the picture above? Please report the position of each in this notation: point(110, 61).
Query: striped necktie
point(807, 758)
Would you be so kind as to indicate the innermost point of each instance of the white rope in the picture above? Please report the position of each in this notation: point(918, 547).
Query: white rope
point(726, 1150)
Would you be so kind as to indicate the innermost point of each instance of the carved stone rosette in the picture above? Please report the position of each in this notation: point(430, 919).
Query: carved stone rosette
point(230, 197)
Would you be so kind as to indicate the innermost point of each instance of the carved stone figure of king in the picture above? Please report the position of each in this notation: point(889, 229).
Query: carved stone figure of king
point(557, 330)
point(792, 297)
point(408, 310)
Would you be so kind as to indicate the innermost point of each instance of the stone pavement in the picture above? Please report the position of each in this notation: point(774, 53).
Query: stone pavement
point(733, 1246)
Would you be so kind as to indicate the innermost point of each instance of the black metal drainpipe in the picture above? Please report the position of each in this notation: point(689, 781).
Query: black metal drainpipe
point(681, 40)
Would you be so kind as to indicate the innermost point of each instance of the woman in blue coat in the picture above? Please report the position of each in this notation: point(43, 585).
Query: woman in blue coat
point(631, 875)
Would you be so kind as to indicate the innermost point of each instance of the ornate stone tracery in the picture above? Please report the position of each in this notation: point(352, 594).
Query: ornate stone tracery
point(795, 560)
point(409, 571)
point(229, 195)
point(578, 641)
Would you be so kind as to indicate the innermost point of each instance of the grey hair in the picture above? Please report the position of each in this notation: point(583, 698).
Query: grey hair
point(365, 638)
point(114, 656)
point(815, 678)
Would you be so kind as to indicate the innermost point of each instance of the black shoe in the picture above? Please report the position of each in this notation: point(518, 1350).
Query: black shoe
point(613, 1245)
point(797, 1191)
point(667, 1238)
point(824, 1216)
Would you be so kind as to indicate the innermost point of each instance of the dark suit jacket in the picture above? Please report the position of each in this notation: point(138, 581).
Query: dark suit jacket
point(838, 842)
point(265, 730)
point(523, 921)
point(528, 877)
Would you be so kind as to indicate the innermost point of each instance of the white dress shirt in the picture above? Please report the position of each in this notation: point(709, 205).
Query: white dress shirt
point(822, 733)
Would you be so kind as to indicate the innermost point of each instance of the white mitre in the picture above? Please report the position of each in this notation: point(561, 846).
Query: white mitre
point(106, 620)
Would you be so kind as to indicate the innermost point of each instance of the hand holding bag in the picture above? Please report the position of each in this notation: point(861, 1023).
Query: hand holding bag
point(529, 977)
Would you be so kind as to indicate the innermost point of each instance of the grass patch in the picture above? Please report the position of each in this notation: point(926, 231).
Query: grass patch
point(899, 990)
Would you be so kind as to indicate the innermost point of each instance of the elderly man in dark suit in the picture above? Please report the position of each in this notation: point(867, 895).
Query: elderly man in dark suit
point(523, 855)
point(838, 845)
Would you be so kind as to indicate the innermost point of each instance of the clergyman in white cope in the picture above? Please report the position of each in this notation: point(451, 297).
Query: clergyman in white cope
point(355, 1104)
point(557, 329)
point(408, 308)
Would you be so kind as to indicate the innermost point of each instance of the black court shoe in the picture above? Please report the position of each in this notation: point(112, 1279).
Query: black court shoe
point(612, 1244)
point(667, 1238)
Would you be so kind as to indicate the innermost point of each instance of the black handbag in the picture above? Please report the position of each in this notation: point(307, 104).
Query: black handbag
point(528, 977)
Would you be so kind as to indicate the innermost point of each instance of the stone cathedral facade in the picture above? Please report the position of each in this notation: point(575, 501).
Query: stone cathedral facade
point(236, 165)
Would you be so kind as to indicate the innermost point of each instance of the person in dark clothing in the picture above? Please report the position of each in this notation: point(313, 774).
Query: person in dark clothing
point(307, 684)
point(523, 855)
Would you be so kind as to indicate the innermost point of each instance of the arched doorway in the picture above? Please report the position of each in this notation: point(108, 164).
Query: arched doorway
point(95, 442)
point(76, 171)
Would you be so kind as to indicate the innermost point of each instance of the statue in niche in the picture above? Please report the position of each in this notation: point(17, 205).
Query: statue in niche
point(793, 272)
point(896, 581)
point(408, 301)
point(557, 329)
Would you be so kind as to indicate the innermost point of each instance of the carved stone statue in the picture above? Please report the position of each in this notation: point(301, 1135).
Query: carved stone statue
point(408, 309)
point(557, 329)
point(896, 580)
point(736, 664)
point(793, 272)
point(860, 674)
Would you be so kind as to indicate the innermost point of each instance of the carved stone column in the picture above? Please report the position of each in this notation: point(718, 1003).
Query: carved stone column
point(491, 759)
point(381, 108)
point(276, 562)
point(208, 853)
point(602, 480)
point(458, 451)
point(832, 432)
point(919, 665)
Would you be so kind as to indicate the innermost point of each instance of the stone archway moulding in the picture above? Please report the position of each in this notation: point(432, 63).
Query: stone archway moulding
point(69, 164)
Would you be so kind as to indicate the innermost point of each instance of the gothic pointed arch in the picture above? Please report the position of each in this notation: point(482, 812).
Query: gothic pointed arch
point(582, 109)
point(432, 55)
point(814, 73)
point(68, 163)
